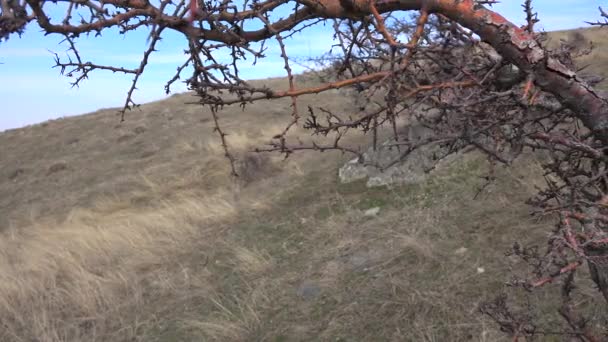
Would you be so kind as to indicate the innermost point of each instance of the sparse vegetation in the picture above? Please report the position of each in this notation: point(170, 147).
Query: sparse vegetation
point(160, 251)
point(161, 244)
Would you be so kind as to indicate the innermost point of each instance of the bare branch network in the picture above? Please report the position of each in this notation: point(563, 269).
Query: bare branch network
point(465, 72)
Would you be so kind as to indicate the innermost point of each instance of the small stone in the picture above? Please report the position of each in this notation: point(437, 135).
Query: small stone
point(371, 212)
point(480, 270)
point(308, 290)
point(461, 251)
point(359, 260)
point(352, 171)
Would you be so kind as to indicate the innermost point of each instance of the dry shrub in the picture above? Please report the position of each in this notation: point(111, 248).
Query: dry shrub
point(577, 40)
point(253, 166)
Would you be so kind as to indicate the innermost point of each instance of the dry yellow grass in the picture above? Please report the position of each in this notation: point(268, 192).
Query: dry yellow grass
point(116, 237)
point(93, 276)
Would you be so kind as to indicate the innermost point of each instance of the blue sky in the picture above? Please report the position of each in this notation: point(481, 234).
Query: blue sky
point(32, 91)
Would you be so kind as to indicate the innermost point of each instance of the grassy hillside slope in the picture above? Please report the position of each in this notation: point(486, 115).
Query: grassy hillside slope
point(135, 232)
point(597, 61)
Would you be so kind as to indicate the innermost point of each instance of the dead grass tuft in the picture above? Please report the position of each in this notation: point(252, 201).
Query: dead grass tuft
point(250, 261)
point(253, 167)
point(91, 277)
point(57, 167)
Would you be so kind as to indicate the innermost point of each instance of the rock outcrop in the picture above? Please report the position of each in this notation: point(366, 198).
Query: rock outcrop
point(411, 169)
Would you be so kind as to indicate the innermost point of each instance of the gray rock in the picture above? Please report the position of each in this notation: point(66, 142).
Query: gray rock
point(412, 169)
point(361, 261)
point(371, 212)
point(352, 171)
point(308, 290)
